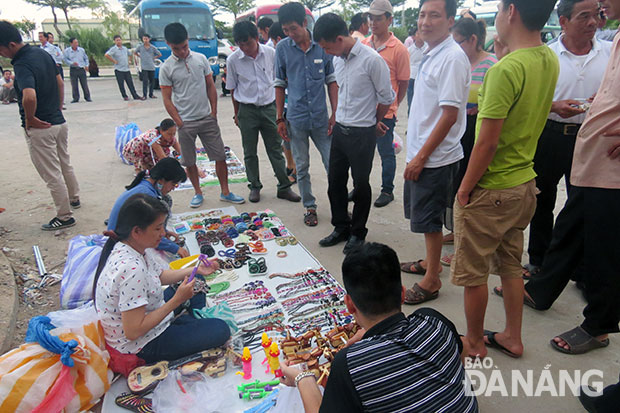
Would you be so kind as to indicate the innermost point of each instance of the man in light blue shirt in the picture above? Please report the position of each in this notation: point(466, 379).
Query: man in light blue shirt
point(303, 67)
point(53, 51)
point(119, 55)
point(76, 58)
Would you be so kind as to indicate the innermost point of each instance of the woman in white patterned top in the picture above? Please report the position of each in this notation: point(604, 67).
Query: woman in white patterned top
point(132, 306)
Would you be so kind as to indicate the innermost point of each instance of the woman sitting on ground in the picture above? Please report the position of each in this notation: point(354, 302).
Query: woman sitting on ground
point(157, 182)
point(145, 150)
point(136, 314)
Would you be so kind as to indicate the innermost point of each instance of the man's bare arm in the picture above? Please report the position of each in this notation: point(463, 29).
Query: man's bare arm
point(166, 93)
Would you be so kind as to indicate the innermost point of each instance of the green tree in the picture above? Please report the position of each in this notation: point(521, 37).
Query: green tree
point(317, 4)
point(92, 40)
point(113, 23)
point(129, 5)
point(234, 7)
point(53, 4)
point(67, 5)
point(25, 26)
point(347, 9)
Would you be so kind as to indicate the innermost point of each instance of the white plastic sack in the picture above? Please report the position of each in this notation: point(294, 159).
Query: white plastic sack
point(195, 393)
point(79, 272)
point(398, 143)
point(124, 134)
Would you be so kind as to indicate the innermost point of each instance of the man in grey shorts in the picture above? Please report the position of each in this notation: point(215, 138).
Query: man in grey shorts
point(433, 141)
point(190, 99)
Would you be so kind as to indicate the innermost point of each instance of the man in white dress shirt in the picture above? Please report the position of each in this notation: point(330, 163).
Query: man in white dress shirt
point(364, 97)
point(250, 77)
point(583, 59)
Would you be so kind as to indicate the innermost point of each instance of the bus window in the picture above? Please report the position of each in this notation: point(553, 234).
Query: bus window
point(197, 21)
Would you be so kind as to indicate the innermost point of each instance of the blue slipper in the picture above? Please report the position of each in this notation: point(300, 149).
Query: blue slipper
point(196, 201)
point(235, 199)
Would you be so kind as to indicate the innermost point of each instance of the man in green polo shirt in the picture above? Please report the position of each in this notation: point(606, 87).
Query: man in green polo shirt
point(497, 197)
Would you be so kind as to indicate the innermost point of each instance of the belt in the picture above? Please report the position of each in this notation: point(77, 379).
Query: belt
point(349, 130)
point(258, 106)
point(566, 129)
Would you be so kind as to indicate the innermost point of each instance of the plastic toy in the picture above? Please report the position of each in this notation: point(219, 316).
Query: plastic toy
point(274, 360)
point(246, 358)
point(265, 342)
point(267, 404)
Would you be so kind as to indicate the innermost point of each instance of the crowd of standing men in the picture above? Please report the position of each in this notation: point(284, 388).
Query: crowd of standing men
point(489, 137)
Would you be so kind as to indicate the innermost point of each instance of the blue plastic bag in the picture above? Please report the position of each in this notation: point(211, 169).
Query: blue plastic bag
point(124, 134)
point(79, 272)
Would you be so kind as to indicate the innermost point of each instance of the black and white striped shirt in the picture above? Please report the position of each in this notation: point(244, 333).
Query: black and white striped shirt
point(403, 364)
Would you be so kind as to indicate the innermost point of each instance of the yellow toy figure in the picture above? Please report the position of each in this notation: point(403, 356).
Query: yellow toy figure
point(246, 358)
point(265, 342)
point(274, 360)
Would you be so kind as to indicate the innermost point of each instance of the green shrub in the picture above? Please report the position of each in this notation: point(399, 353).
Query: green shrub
point(92, 40)
point(400, 32)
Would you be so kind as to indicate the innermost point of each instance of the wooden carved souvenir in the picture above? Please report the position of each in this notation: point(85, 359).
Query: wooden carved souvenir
point(144, 378)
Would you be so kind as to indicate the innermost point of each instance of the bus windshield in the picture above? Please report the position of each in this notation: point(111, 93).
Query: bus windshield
point(198, 22)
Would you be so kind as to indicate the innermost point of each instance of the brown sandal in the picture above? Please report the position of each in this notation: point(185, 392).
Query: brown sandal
point(418, 295)
point(406, 267)
point(310, 218)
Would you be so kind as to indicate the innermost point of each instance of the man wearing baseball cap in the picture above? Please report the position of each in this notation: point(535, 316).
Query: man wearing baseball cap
point(396, 56)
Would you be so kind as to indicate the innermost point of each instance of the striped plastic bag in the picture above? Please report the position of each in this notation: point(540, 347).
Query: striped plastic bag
point(71, 378)
point(124, 134)
point(79, 273)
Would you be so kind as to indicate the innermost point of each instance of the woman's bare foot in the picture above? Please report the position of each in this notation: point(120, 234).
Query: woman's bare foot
point(201, 173)
point(448, 239)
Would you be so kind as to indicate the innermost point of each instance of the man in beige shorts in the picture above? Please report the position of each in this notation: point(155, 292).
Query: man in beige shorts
point(497, 197)
point(190, 99)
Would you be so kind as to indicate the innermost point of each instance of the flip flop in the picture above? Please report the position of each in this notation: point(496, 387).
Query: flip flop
point(579, 341)
point(530, 271)
point(418, 295)
point(447, 260)
point(526, 300)
point(135, 403)
point(490, 335)
point(406, 267)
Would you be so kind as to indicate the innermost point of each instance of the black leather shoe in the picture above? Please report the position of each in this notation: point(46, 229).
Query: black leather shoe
point(254, 195)
point(384, 199)
point(353, 243)
point(289, 195)
point(334, 238)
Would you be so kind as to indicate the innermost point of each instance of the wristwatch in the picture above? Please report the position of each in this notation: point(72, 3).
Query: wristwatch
point(302, 376)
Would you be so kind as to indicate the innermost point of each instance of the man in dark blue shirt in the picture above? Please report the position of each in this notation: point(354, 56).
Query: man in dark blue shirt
point(40, 92)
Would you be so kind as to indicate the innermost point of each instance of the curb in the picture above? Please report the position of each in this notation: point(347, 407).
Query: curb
point(8, 304)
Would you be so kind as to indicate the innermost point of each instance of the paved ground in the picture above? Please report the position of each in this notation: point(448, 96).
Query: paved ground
point(102, 177)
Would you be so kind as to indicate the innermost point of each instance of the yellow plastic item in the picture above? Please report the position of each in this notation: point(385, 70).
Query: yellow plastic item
point(184, 262)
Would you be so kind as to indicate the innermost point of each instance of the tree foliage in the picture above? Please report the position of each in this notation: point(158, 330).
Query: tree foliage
point(26, 27)
point(65, 6)
point(91, 40)
point(129, 5)
point(317, 4)
point(234, 7)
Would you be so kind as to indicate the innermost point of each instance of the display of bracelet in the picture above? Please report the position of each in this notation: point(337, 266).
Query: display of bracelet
point(204, 244)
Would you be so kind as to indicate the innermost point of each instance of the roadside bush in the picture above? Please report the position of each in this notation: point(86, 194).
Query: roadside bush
point(92, 40)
